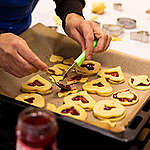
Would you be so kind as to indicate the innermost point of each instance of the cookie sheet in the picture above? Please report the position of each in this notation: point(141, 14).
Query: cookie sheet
point(45, 41)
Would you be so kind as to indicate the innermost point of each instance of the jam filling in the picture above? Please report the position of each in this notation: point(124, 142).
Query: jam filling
point(125, 99)
point(141, 84)
point(108, 107)
point(29, 100)
point(79, 97)
point(36, 83)
point(88, 66)
point(114, 74)
point(51, 71)
point(65, 88)
point(77, 77)
point(99, 84)
point(71, 110)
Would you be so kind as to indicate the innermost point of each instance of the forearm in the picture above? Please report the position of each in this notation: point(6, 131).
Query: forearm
point(64, 7)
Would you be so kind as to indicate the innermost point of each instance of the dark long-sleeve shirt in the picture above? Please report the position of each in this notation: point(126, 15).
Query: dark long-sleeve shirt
point(15, 15)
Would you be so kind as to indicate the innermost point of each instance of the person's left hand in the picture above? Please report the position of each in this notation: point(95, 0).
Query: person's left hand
point(83, 31)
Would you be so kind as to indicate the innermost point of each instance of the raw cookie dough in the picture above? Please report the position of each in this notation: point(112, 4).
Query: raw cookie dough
point(51, 107)
point(113, 75)
point(54, 58)
point(88, 67)
point(125, 97)
point(81, 98)
point(68, 91)
point(57, 78)
point(54, 71)
point(109, 109)
point(62, 67)
point(77, 78)
point(72, 110)
point(37, 84)
point(69, 61)
point(140, 82)
point(32, 99)
point(99, 86)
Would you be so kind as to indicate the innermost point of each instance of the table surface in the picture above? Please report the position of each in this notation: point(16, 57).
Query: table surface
point(45, 11)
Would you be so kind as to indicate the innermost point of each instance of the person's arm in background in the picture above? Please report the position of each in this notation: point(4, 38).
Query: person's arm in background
point(81, 30)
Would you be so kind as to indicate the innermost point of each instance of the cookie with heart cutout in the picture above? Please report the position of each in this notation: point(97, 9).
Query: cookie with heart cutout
point(88, 67)
point(99, 86)
point(82, 99)
point(37, 84)
point(113, 75)
point(125, 97)
point(72, 110)
point(140, 82)
point(32, 99)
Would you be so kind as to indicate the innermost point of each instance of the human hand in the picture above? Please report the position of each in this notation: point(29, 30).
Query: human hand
point(17, 58)
point(83, 31)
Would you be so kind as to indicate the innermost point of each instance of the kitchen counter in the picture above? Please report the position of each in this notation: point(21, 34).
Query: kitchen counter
point(134, 9)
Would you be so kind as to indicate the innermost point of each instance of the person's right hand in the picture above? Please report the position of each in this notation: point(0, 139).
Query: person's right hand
point(17, 58)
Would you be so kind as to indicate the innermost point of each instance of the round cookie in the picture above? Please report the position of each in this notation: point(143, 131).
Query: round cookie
point(32, 99)
point(125, 97)
point(54, 58)
point(99, 86)
point(109, 109)
point(37, 84)
point(72, 110)
point(69, 61)
point(88, 67)
point(81, 98)
point(140, 82)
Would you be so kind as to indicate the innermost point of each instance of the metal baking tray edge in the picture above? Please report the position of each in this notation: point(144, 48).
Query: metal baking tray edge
point(126, 136)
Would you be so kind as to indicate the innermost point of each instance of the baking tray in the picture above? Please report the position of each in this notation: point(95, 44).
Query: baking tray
point(44, 42)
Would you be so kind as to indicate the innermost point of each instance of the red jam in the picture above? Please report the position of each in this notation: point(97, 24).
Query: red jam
point(77, 77)
point(71, 110)
point(88, 66)
point(51, 71)
point(29, 100)
point(65, 88)
point(36, 129)
point(125, 99)
point(36, 83)
point(141, 84)
point(99, 84)
point(78, 98)
point(114, 74)
point(108, 108)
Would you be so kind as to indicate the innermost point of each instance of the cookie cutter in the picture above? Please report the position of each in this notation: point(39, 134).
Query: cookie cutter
point(142, 36)
point(127, 23)
point(117, 6)
point(113, 29)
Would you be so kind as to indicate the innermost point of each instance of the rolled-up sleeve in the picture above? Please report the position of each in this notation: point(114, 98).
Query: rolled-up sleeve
point(64, 7)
